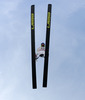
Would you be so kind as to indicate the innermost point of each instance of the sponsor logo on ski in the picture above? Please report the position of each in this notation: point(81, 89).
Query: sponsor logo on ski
point(48, 21)
point(32, 21)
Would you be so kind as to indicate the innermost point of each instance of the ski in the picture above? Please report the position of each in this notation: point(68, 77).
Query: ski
point(45, 73)
point(34, 85)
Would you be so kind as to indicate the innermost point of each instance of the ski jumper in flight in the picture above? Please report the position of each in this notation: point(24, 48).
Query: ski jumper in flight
point(40, 51)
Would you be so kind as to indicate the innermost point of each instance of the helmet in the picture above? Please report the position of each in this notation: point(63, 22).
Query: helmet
point(42, 44)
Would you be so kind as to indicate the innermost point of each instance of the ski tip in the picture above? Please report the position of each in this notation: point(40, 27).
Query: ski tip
point(32, 5)
point(49, 4)
point(32, 8)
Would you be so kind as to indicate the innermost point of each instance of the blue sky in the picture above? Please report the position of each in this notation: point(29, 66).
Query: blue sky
point(66, 74)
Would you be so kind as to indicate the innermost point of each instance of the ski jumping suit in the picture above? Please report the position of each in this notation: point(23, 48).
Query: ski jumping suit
point(40, 52)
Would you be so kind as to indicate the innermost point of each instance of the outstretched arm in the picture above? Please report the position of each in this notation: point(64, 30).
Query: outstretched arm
point(36, 56)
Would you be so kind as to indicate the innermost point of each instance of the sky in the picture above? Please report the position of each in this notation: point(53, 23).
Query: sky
point(66, 71)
